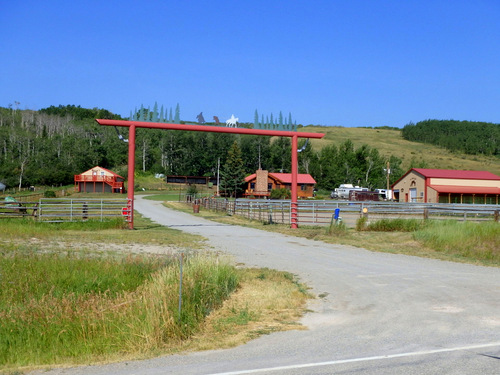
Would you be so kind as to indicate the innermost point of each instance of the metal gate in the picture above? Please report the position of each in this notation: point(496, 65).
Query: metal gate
point(59, 210)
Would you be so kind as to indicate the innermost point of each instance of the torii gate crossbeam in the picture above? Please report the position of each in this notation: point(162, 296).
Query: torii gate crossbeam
point(132, 125)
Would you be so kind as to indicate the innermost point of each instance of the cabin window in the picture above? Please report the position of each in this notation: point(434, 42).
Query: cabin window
point(252, 185)
point(303, 187)
point(269, 186)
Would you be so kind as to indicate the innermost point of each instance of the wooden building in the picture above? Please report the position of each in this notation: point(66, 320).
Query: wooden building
point(260, 184)
point(447, 186)
point(99, 180)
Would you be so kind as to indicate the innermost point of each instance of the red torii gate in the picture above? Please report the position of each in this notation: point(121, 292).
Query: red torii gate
point(132, 125)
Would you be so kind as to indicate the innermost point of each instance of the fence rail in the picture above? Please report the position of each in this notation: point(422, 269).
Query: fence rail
point(65, 209)
point(80, 209)
point(18, 209)
point(321, 212)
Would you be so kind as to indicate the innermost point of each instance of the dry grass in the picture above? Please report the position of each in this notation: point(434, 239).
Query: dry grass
point(390, 142)
point(267, 301)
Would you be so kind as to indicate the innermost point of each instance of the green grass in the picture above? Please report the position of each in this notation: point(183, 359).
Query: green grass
point(55, 308)
point(476, 241)
point(396, 225)
point(64, 303)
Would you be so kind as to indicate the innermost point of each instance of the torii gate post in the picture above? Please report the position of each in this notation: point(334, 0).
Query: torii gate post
point(132, 125)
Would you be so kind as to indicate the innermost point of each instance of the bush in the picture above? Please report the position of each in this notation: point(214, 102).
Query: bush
point(361, 223)
point(49, 194)
point(282, 193)
point(192, 189)
point(337, 229)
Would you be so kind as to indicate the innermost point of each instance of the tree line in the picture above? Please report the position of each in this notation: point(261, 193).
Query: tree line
point(457, 136)
point(49, 146)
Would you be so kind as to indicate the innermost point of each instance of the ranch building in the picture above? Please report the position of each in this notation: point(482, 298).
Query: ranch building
point(260, 184)
point(447, 186)
point(99, 180)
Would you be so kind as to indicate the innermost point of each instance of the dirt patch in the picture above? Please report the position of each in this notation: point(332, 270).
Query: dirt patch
point(134, 248)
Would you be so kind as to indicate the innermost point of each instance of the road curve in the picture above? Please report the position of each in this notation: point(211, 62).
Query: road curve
point(381, 314)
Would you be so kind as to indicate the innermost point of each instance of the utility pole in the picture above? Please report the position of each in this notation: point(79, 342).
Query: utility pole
point(218, 167)
point(388, 170)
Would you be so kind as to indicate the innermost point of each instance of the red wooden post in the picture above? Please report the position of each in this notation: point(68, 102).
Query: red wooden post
point(295, 167)
point(131, 173)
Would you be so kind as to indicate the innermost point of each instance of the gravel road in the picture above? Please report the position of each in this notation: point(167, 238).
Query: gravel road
point(381, 314)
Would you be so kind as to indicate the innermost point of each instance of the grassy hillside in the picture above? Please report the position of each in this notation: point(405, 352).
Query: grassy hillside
point(390, 142)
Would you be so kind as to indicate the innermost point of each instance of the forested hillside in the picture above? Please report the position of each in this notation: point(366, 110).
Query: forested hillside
point(472, 138)
point(50, 146)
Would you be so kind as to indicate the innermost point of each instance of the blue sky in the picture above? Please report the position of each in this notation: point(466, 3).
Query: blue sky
point(337, 62)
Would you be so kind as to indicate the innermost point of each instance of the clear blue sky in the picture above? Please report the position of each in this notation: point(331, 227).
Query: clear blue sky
point(337, 62)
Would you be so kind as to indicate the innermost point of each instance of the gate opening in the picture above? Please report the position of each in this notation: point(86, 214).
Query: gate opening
point(132, 125)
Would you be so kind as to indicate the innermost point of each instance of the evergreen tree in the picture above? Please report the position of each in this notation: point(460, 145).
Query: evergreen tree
point(233, 174)
point(256, 120)
point(155, 113)
point(177, 119)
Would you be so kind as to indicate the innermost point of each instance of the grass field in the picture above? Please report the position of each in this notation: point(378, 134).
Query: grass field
point(390, 142)
point(74, 293)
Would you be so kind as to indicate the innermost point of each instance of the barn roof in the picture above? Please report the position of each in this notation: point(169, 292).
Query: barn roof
point(465, 189)
point(456, 174)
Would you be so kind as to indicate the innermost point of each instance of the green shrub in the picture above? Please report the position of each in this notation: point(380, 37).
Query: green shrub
point(337, 229)
point(192, 189)
point(361, 223)
point(49, 194)
point(282, 193)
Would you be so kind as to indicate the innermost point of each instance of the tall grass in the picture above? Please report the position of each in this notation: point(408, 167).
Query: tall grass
point(395, 225)
point(465, 239)
point(54, 309)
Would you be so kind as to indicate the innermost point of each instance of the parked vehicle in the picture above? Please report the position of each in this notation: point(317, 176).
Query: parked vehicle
point(342, 192)
point(355, 195)
point(385, 194)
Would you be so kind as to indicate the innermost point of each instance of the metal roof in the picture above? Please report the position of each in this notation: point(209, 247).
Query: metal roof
point(456, 174)
point(466, 189)
point(286, 178)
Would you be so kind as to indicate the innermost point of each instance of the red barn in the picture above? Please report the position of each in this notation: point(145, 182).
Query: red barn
point(447, 186)
point(99, 180)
